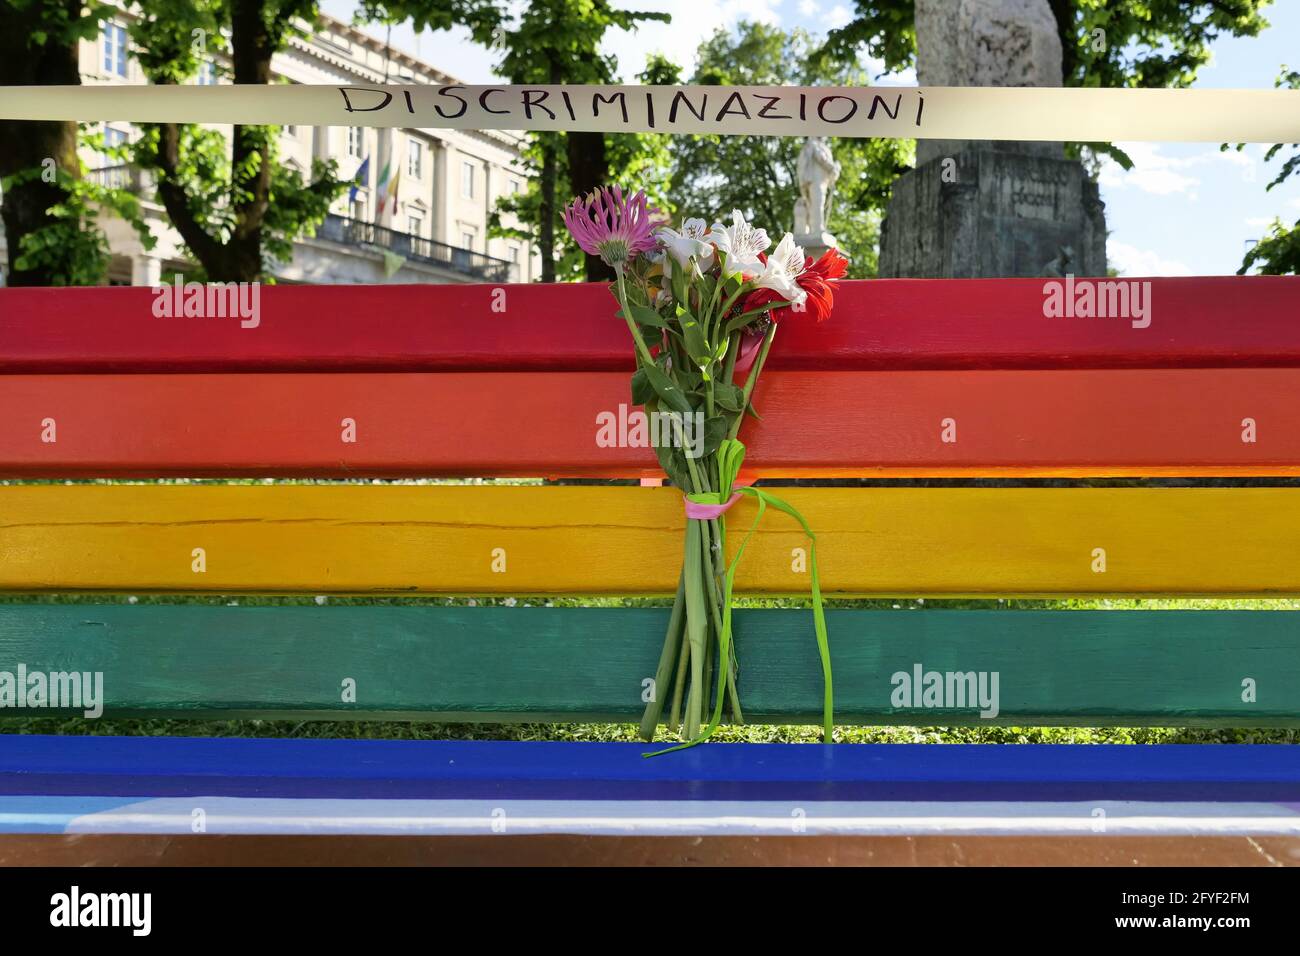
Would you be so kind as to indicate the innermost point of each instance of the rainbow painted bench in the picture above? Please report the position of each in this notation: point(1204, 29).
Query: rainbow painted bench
point(948, 380)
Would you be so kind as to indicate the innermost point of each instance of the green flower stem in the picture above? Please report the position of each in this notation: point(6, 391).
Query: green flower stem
point(733, 695)
point(764, 308)
point(667, 664)
point(642, 350)
point(716, 557)
point(753, 377)
point(697, 626)
point(698, 483)
point(679, 686)
point(733, 352)
point(743, 287)
point(718, 592)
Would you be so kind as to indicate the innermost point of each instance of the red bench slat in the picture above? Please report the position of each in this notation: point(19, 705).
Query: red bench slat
point(881, 324)
point(1087, 422)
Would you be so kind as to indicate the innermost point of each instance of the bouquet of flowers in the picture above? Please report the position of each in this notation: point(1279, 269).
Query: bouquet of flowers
point(703, 304)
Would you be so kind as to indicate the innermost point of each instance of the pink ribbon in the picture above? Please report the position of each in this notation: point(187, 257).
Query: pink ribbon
point(701, 512)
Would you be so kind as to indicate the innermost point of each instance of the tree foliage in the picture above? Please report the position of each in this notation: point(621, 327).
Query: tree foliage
point(1104, 43)
point(756, 174)
point(1278, 253)
point(237, 210)
point(49, 210)
point(69, 248)
point(1145, 43)
point(544, 42)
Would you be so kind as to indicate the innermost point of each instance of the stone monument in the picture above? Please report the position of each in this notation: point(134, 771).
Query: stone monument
point(991, 208)
point(817, 173)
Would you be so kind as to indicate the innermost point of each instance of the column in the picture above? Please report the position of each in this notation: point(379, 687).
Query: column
point(146, 270)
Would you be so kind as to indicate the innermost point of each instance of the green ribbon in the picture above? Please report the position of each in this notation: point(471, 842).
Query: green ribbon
point(730, 456)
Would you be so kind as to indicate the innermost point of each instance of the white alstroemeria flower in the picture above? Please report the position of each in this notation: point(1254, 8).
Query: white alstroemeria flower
point(784, 266)
point(740, 243)
point(688, 244)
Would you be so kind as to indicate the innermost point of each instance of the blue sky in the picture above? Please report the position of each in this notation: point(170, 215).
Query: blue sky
point(1185, 209)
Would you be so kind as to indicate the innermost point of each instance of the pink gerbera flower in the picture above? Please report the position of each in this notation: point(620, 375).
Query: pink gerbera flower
point(612, 226)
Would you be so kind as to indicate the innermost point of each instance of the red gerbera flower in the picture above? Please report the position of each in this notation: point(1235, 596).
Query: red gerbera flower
point(815, 280)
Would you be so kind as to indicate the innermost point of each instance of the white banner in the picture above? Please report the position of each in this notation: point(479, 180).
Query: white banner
point(1015, 113)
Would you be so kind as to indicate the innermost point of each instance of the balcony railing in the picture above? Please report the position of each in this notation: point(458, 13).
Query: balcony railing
point(353, 232)
point(123, 176)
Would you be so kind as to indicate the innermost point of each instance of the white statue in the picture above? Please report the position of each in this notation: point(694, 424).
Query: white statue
point(817, 172)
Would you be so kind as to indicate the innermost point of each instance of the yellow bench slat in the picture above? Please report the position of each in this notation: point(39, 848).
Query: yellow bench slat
point(627, 540)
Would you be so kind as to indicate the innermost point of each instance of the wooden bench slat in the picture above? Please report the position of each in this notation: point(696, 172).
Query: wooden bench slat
point(1091, 422)
point(483, 770)
point(588, 664)
point(881, 324)
point(626, 540)
point(164, 784)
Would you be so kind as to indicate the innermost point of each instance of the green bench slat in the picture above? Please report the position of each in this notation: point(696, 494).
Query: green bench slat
point(578, 664)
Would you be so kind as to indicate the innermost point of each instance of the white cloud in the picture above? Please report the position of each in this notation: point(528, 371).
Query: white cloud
point(1258, 222)
point(836, 16)
point(1132, 261)
point(1155, 171)
point(807, 8)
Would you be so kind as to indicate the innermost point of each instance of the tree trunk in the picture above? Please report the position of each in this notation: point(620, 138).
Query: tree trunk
point(251, 50)
point(239, 258)
point(546, 207)
point(31, 145)
point(588, 169)
point(1064, 11)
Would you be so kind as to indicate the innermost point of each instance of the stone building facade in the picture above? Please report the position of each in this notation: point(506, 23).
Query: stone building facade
point(450, 181)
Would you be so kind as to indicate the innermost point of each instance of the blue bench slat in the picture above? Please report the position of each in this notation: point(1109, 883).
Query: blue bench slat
point(177, 766)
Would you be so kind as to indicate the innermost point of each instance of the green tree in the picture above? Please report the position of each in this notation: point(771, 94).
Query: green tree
point(236, 209)
point(1278, 253)
point(548, 42)
point(756, 174)
point(49, 210)
point(1104, 43)
point(1140, 43)
point(634, 160)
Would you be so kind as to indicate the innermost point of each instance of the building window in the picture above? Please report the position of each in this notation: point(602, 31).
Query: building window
point(467, 240)
point(514, 254)
point(467, 180)
point(359, 210)
point(514, 186)
point(114, 49)
point(291, 131)
point(207, 74)
point(415, 159)
point(415, 225)
point(112, 138)
point(356, 141)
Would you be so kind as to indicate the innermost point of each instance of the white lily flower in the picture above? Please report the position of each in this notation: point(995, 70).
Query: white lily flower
point(740, 243)
point(784, 266)
point(688, 244)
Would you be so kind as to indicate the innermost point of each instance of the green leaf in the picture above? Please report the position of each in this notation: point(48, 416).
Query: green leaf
point(673, 461)
point(741, 321)
point(730, 397)
point(715, 430)
point(642, 390)
point(644, 315)
point(697, 345)
point(667, 390)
